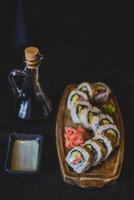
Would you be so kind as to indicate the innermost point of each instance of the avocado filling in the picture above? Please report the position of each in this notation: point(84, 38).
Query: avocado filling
point(80, 108)
point(76, 97)
point(92, 117)
point(84, 89)
point(112, 134)
point(104, 122)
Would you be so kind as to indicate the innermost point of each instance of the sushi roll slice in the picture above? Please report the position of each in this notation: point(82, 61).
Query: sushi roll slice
point(97, 151)
point(101, 92)
point(107, 143)
point(83, 118)
point(102, 146)
point(75, 96)
point(105, 119)
point(90, 117)
point(78, 159)
point(86, 88)
point(111, 132)
point(77, 109)
point(93, 154)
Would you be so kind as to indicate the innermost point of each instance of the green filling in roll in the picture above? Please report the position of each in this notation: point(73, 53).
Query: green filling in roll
point(80, 108)
point(92, 117)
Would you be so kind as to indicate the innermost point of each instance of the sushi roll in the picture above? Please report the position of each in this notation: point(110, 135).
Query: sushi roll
point(83, 116)
point(111, 132)
point(105, 119)
point(93, 154)
point(106, 143)
point(78, 159)
point(75, 96)
point(77, 109)
point(101, 92)
point(97, 151)
point(102, 146)
point(86, 88)
point(90, 117)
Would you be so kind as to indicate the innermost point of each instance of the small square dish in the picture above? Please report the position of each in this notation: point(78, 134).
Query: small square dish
point(24, 153)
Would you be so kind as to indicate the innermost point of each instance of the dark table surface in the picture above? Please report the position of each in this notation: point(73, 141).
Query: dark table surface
point(80, 44)
point(48, 183)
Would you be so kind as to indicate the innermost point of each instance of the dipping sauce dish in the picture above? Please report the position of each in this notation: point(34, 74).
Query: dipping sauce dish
point(24, 153)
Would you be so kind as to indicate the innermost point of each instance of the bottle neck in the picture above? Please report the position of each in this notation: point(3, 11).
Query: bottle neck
point(32, 67)
point(33, 74)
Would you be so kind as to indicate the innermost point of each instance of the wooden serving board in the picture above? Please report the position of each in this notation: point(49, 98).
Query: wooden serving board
point(108, 171)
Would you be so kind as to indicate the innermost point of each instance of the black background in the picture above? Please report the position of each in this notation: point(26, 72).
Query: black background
point(80, 43)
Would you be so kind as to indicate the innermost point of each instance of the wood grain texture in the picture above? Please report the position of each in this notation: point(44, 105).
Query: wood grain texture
point(109, 171)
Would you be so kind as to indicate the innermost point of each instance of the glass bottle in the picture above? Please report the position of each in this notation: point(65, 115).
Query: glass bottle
point(30, 102)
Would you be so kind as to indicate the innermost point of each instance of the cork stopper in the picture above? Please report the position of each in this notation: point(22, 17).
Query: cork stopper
point(32, 57)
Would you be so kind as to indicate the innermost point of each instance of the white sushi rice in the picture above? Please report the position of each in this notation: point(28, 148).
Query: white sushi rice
point(88, 88)
point(97, 149)
point(107, 143)
point(82, 166)
point(102, 96)
point(79, 93)
point(73, 110)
